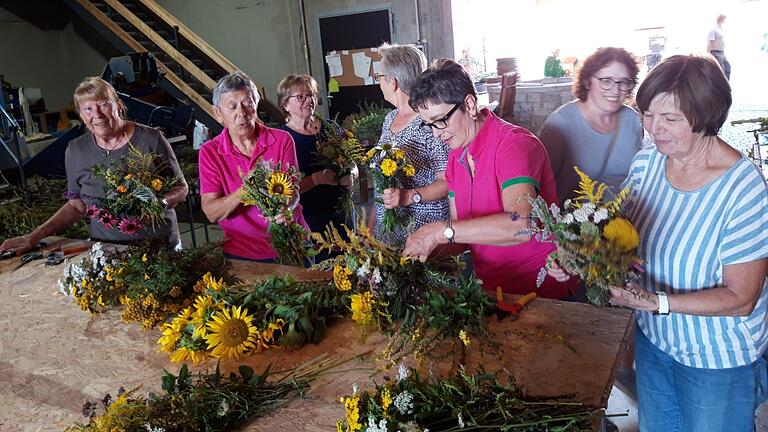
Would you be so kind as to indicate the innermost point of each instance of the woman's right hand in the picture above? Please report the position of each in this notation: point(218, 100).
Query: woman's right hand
point(325, 177)
point(555, 271)
point(21, 244)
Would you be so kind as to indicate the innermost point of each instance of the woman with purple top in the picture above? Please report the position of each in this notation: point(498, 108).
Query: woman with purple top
point(106, 143)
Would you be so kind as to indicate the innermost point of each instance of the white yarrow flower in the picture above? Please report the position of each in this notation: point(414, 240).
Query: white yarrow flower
point(376, 276)
point(364, 269)
point(589, 208)
point(223, 408)
point(404, 403)
point(402, 372)
point(554, 209)
point(355, 389)
point(380, 427)
point(581, 215)
point(567, 203)
point(461, 421)
point(600, 215)
point(568, 218)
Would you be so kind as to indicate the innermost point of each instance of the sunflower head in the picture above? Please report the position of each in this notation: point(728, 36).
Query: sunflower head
point(231, 333)
point(280, 184)
point(621, 233)
point(388, 167)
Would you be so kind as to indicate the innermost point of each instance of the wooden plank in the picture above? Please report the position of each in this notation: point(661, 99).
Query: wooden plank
point(163, 44)
point(137, 47)
point(56, 356)
point(114, 28)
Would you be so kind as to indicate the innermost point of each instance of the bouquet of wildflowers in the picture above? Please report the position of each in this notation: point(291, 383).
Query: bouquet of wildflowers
point(232, 322)
point(475, 402)
point(593, 239)
point(340, 151)
point(146, 282)
point(366, 125)
point(382, 286)
point(274, 188)
point(132, 193)
point(388, 165)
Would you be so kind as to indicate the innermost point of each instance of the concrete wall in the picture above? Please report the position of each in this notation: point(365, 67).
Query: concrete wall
point(54, 61)
point(533, 103)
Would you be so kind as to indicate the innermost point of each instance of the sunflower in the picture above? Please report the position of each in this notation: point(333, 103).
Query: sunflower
point(157, 184)
point(213, 283)
point(204, 309)
point(231, 334)
point(388, 167)
point(409, 170)
point(185, 354)
point(280, 184)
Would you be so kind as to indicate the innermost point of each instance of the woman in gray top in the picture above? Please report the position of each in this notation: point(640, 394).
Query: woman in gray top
point(106, 143)
point(595, 132)
point(424, 198)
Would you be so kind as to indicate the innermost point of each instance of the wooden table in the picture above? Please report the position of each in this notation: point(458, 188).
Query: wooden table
point(53, 356)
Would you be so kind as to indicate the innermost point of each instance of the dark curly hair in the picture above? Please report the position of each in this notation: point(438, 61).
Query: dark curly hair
point(598, 60)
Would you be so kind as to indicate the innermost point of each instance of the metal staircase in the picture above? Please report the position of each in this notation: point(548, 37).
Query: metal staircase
point(190, 67)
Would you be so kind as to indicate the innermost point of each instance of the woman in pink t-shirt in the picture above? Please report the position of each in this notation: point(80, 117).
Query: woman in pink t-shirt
point(235, 151)
point(493, 167)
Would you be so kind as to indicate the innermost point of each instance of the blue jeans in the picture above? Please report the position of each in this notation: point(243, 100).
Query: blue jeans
point(672, 397)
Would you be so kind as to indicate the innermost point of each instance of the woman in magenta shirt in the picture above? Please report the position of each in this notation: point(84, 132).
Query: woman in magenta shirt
point(493, 167)
point(235, 151)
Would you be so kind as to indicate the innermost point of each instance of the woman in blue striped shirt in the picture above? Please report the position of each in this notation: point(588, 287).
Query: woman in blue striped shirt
point(701, 208)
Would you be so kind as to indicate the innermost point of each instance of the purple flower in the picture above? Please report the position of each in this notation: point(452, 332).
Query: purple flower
point(130, 226)
point(107, 219)
point(92, 211)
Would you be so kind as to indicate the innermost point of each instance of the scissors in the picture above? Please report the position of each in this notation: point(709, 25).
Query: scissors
point(26, 258)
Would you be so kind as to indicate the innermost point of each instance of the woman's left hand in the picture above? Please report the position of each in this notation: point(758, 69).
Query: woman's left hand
point(635, 297)
point(421, 243)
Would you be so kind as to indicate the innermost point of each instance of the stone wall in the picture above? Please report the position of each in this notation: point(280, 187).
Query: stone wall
point(535, 101)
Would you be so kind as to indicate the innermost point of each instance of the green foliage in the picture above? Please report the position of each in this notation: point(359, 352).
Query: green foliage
point(45, 198)
point(208, 402)
point(463, 402)
point(366, 125)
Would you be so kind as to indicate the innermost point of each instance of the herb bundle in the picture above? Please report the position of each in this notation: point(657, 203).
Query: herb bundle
point(132, 192)
point(593, 239)
point(464, 402)
point(340, 151)
point(273, 188)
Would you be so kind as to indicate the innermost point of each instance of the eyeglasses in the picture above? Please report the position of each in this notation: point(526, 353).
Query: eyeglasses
point(377, 76)
point(91, 108)
point(440, 123)
point(610, 83)
point(303, 97)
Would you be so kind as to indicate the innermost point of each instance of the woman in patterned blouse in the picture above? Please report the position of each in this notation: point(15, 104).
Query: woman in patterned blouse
point(422, 200)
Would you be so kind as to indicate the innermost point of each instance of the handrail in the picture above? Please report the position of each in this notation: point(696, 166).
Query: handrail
point(162, 44)
point(196, 40)
point(137, 47)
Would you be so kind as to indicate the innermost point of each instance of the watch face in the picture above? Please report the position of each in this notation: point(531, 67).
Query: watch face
point(416, 197)
point(449, 232)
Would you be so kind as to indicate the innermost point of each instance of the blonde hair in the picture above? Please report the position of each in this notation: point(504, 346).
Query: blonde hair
point(94, 88)
point(289, 83)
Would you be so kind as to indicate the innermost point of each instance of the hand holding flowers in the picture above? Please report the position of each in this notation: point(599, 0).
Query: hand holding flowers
point(273, 188)
point(593, 240)
point(388, 165)
point(133, 193)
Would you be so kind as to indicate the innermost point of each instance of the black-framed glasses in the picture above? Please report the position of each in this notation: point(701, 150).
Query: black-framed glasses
point(303, 97)
point(609, 83)
point(441, 123)
point(377, 76)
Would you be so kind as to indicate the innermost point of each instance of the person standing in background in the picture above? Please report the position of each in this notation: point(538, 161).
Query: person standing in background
point(716, 46)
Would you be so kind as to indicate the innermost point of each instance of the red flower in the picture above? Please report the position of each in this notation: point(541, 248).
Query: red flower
point(130, 226)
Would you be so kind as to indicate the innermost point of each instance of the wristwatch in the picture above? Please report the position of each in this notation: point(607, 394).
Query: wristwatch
point(164, 202)
point(449, 232)
point(663, 304)
point(416, 196)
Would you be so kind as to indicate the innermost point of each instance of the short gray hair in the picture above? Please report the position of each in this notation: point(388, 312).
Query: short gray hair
point(235, 81)
point(404, 63)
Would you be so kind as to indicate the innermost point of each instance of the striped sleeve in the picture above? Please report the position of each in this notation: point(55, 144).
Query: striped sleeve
point(745, 237)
